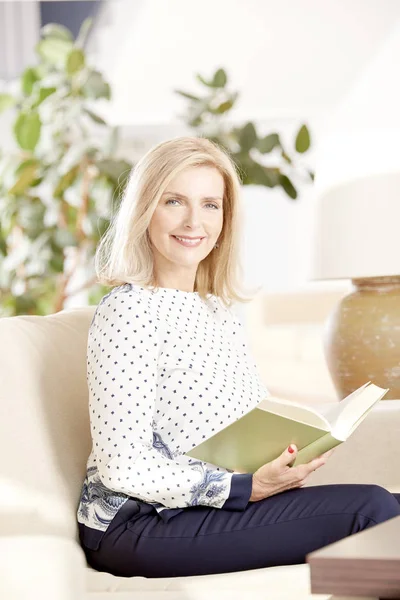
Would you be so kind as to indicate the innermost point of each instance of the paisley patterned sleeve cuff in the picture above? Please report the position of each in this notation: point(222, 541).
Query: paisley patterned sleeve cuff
point(241, 488)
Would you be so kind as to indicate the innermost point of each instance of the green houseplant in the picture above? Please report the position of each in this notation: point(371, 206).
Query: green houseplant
point(59, 185)
point(207, 113)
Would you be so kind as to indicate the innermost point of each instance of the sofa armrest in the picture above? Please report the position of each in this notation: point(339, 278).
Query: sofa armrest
point(370, 455)
point(40, 566)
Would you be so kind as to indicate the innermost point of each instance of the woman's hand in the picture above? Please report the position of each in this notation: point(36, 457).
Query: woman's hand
point(276, 476)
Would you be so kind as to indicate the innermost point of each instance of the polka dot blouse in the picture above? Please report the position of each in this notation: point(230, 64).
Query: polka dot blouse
point(165, 370)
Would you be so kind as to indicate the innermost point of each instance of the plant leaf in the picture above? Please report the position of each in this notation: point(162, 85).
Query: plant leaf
point(268, 143)
point(187, 95)
point(95, 86)
point(302, 140)
point(247, 137)
point(66, 181)
point(220, 79)
point(54, 50)
point(259, 175)
point(27, 172)
point(99, 225)
point(222, 108)
point(25, 304)
point(75, 61)
point(28, 79)
point(56, 31)
point(83, 32)
point(30, 217)
point(27, 129)
point(6, 101)
point(227, 104)
point(95, 117)
point(56, 262)
point(288, 186)
point(44, 93)
point(117, 170)
point(64, 238)
point(3, 244)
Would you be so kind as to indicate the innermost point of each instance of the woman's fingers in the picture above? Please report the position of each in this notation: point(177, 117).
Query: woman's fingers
point(313, 465)
point(329, 453)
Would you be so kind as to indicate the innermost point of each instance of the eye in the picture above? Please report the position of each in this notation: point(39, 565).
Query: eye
point(209, 204)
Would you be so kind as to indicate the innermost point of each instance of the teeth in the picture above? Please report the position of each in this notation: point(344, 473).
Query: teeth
point(188, 241)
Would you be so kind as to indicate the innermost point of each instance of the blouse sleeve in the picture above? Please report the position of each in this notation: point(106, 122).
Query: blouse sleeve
point(122, 358)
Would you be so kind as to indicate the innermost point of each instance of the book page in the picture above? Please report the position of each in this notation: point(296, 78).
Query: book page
point(295, 411)
point(355, 409)
point(333, 413)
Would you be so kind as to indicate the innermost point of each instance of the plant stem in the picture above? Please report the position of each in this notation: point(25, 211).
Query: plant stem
point(81, 237)
point(83, 209)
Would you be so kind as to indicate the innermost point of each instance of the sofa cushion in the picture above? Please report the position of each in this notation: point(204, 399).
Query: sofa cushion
point(54, 568)
point(284, 582)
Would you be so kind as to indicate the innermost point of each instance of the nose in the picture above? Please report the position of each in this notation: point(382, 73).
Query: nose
point(192, 217)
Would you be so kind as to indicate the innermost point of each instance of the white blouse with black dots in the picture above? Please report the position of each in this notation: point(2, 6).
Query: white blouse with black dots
point(165, 371)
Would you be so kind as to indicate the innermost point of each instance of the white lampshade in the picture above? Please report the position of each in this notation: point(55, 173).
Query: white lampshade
point(358, 229)
point(357, 185)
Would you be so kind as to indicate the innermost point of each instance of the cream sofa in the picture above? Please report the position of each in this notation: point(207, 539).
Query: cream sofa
point(44, 444)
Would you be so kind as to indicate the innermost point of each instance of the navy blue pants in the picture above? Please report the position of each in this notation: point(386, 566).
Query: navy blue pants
point(279, 530)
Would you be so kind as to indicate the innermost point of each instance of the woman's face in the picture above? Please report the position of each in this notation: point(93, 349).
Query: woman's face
point(191, 207)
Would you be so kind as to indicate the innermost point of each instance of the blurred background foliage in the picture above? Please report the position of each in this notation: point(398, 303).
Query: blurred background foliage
point(60, 186)
point(208, 115)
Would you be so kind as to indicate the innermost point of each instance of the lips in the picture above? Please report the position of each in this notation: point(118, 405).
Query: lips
point(189, 244)
point(189, 238)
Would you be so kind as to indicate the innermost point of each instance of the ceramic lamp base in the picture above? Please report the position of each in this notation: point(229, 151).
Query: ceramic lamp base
point(362, 337)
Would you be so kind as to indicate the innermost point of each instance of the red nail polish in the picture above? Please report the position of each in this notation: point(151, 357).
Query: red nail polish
point(291, 450)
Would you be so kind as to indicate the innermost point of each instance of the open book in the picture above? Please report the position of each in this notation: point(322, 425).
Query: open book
point(263, 433)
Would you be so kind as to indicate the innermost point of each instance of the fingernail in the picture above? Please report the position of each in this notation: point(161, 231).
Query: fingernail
point(291, 450)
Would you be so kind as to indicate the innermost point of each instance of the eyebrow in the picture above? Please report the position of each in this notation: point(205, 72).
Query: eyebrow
point(186, 198)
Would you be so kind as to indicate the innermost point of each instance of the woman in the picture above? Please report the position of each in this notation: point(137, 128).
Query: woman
point(168, 365)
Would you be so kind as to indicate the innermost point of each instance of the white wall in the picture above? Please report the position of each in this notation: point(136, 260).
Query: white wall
point(292, 62)
point(289, 58)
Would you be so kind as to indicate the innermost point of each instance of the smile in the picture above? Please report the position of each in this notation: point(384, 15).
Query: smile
point(188, 243)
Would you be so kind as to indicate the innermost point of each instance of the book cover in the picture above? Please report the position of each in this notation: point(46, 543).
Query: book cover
point(263, 433)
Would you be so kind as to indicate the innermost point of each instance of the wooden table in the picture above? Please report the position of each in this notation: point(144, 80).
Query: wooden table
point(366, 563)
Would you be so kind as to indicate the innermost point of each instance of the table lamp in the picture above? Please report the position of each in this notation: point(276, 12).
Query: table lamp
point(356, 216)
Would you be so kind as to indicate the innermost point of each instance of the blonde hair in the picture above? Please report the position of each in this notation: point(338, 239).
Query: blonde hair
point(124, 254)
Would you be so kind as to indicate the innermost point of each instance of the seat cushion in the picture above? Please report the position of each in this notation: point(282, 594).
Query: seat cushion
point(292, 581)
